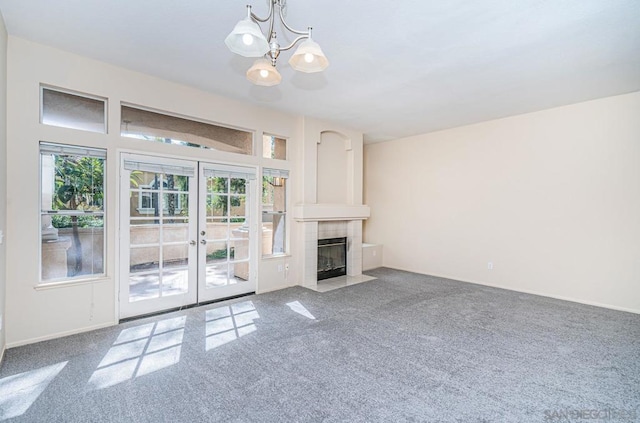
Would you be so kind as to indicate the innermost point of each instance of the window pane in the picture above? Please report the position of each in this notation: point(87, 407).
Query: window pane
point(72, 246)
point(73, 111)
point(274, 147)
point(274, 215)
point(72, 222)
point(274, 193)
point(152, 126)
point(72, 182)
point(279, 234)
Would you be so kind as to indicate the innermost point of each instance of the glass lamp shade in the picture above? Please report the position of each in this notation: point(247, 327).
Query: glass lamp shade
point(263, 73)
point(247, 39)
point(309, 58)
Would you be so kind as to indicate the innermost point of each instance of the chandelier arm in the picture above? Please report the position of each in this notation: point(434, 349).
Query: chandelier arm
point(271, 22)
point(259, 19)
point(295, 31)
point(293, 43)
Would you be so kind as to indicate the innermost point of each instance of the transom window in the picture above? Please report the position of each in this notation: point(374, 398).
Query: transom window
point(71, 110)
point(274, 147)
point(164, 128)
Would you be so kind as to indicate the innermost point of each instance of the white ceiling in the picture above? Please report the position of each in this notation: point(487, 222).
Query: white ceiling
point(398, 68)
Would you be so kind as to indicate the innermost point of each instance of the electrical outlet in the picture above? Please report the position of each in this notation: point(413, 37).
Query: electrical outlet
point(279, 268)
point(490, 265)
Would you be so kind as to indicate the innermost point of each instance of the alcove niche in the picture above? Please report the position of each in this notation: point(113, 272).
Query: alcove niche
point(333, 179)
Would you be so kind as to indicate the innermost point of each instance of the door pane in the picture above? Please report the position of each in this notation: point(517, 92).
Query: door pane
point(239, 228)
point(217, 184)
point(144, 286)
point(144, 259)
point(233, 270)
point(217, 205)
point(227, 230)
point(176, 204)
point(216, 275)
point(238, 186)
point(241, 250)
point(217, 252)
point(175, 267)
point(217, 228)
point(159, 235)
point(175, 231)
point(238, 205)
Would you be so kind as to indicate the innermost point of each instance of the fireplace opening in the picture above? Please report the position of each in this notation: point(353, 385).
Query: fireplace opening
point(332, 258)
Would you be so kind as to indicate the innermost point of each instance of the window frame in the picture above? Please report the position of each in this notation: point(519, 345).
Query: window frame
point(104, 100)
point(98, 153)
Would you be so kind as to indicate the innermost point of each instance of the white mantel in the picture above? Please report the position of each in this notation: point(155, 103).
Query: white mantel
point(330, 212)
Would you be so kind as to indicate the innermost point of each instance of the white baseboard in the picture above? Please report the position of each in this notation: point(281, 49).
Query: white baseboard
point(58, 335)
point(526, 291)
point(2, 354)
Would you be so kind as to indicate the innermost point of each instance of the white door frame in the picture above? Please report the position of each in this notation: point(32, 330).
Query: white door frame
point(146, 306)
point(238, 286)
point(197, 292)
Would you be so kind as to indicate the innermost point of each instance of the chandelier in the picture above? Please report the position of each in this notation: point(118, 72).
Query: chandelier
point(248, 40)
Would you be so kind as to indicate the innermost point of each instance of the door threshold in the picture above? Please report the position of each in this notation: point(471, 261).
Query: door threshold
point(186, 307)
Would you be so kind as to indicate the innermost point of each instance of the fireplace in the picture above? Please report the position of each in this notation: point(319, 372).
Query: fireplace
point(332, 258)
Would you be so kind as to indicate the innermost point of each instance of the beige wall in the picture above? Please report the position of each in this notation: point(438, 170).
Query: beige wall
point(551, 198)
point(333, 163)
point(3, 175)
point(34, 313)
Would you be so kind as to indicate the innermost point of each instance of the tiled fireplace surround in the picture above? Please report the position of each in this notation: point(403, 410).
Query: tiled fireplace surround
point(313, 231)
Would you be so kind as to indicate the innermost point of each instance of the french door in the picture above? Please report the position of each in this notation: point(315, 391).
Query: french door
point(186, 233)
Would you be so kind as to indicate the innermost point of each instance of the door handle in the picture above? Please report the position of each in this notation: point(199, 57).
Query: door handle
point(192, 242)
point(203, 242)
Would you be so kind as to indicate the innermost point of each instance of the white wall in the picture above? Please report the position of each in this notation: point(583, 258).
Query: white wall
point(3, 176)
point(551, 198)
point(33, 314)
